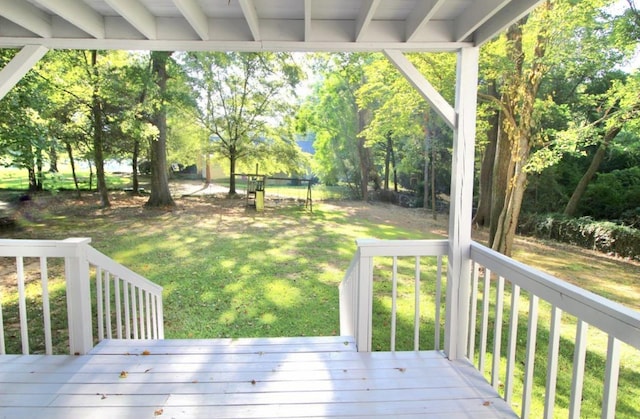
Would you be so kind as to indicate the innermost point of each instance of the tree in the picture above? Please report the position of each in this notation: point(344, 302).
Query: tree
point(160, 193)
point(242, 97)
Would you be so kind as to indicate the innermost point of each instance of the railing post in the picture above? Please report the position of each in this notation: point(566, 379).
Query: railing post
point(78, 297)
point(364, 322)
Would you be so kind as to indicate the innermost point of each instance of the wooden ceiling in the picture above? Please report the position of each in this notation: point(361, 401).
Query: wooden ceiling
point(254, 25)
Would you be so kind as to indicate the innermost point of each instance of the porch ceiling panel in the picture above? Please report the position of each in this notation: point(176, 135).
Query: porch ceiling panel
point(304, 25)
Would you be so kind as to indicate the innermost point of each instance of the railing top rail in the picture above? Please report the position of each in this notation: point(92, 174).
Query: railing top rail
point(375, 247)
point(97, 258)
point(37, 248)
point(609, 316)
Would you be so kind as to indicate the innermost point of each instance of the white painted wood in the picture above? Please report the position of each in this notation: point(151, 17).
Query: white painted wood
point(79, 14)
point(438, 298)
point(474, 17)
point(250, 14)
point(364, 293)
point(127, 311)
point(367, 11)
point(137, 15)
point(134, 313)
point(192, 11)
point(422, 85)
point(46, 306)
point(141, 316)
point(512, 345)
point(100, 303)
point(421, 14)
point(461, 205)
point(2, 343)
point(579, 357)
point(27, 16)
point(22, 305)
point(484, 323)
point(497, 335)
point(532, 331)
point(148, 315)
point(116, 292)
point(13, 72)
point(416, 310)
point(394, 297)
point(503, 18)
point(611, 317)
point(307, 20)
point(373, 247)
point(552, 362)
point(98, 259)
point(611, 373)
point(78, 298)
point(473, 313)
point(107, 304)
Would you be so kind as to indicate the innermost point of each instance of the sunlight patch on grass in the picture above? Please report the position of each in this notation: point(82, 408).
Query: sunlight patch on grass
point(282, 293)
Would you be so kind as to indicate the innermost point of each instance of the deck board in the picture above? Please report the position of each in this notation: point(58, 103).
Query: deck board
point(249, 378)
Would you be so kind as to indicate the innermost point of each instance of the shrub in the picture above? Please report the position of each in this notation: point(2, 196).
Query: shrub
point(603, 236)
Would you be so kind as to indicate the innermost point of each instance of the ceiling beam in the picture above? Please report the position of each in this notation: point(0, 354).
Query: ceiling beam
point(20, 65)
point(27, 16)
point(476, 15)
point(509, 14)
point(78, 14)
point(431, 95)
point(137, 15)
point(191, 11)
point(422, 13)
point(250, 14)
point(307, 20)
point(366, 15)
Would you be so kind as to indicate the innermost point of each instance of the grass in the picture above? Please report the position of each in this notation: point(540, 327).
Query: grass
point(17, 179)
point(231, 272)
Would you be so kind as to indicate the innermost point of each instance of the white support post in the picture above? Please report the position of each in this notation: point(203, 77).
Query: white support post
point(459, 262)
point(79, 298)
point(365, 303)
point(20, 65)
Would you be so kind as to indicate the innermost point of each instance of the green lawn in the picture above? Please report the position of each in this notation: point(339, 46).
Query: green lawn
point(17, 179)
point(232, 272)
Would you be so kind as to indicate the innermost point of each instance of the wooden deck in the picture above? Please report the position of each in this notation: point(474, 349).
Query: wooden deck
point(248, 378)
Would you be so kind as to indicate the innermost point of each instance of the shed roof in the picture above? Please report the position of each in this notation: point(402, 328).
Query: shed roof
point(253, 25)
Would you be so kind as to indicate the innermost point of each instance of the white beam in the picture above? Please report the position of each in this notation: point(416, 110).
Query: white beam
point(307, 20)
point(475, 15)
point(20, 65)
point(422, 13)
point(79, 14)
point(435, 99)
point(509, 14)
point(27, 16)
point(250, 14)
point(366, 15)
point(195, 16)
point(137, 15)
point(461, 204)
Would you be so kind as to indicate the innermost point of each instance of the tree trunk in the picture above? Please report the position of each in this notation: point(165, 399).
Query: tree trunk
point(135, 182)
point(73, 167)
point(483, 213)
point(232, 175)
point(98, 136)
point(160, 193)
point(53, 157)
point(572, 205)
point(363, 156)
point(395, 169)
point(387, 162)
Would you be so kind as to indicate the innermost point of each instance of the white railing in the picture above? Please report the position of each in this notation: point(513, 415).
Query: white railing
point(127, 305)
point(357, 287)
point(560, 302)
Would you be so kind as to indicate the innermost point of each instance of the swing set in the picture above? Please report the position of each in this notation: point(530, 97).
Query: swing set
point(281, 189)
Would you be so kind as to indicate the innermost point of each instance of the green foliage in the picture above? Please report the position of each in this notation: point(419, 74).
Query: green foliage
point(603, 236)
point(612, 195)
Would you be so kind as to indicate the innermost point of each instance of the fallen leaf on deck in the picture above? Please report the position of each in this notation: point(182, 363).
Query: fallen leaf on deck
point(147, 370)
point(146, 352)
point(253, 382)
point(123, 374)
point(158, 412)
point(486, 404)
point(401, 369)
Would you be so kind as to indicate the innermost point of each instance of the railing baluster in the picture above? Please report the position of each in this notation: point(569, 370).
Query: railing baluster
point(147, 295)
point(552, 362)
point(116, 291)
point(134, 312)
point(154, 316)
point(530, 357)
point(611, 372)
point(485, 320)
point(579, 357)
point(141, 312)
point(107, 303)
point(46, 306)
point(473, 312)
point(513, 340)
point(416, 319)
point(3, 350)
point(99, 303)
point(127, 313)
point(22, 306)
point(394, 296)
point(497, 334)
point(438, 304)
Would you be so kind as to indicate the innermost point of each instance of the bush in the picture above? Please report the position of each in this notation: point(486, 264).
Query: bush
point(603, 236)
